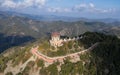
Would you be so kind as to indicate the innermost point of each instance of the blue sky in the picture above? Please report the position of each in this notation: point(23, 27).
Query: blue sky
point(71, 8)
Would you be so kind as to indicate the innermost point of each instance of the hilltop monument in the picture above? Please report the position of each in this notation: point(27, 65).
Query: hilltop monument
point(55, 40)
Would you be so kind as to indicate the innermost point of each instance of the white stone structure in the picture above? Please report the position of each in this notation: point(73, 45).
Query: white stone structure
point(55, 40)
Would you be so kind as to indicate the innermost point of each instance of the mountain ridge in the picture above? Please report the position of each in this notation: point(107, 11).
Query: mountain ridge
point(24, 26)
point(58, 18)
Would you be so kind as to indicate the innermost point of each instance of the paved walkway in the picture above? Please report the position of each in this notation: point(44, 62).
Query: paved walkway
point(54, 59)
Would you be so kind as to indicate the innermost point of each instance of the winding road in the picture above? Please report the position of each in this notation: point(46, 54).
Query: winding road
point(54, 59)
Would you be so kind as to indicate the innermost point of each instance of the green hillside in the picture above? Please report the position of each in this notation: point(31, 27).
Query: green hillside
point(102, 60)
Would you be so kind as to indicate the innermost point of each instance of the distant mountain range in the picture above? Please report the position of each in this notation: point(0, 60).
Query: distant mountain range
point(20, 33)
point(32, 27)
point(58, 18)
point(13, 22)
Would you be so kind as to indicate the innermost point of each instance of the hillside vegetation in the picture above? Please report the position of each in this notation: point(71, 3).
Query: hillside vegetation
point(102, 60)
point(67, 48)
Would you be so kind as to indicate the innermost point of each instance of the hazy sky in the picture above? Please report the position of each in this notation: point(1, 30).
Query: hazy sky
point(74, 8)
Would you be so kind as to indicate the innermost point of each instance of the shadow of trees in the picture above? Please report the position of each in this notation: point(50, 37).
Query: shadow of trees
point(13, 40)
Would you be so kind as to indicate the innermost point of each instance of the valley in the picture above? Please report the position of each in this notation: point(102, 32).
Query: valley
point(26, 29)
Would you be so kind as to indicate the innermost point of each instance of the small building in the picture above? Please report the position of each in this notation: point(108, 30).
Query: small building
point(55, 39)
